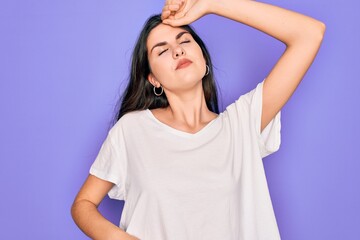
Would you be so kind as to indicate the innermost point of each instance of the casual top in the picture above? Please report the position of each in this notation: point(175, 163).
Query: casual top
point(209, 185)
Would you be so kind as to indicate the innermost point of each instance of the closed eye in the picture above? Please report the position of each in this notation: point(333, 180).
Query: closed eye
point(162, 52)
point(187, 41)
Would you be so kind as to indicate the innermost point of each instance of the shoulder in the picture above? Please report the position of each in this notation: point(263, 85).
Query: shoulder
point(246, 104)
point(248, 98)
point(129, 120)
point(134, 115)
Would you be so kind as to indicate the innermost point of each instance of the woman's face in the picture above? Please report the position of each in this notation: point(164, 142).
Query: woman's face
point(176, 60)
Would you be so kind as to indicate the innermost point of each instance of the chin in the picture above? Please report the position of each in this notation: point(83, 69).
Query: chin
point(190, 81)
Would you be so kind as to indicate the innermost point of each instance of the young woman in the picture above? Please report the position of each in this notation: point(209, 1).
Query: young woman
point(185, 171)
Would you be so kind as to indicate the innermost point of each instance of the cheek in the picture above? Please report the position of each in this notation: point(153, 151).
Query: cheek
point(199, 55)
point(161, 69)
point(200, 61)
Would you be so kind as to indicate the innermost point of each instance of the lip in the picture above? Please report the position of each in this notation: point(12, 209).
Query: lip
point(184, 62)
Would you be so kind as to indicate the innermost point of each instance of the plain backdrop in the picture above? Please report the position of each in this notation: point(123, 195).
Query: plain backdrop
point(63, 65)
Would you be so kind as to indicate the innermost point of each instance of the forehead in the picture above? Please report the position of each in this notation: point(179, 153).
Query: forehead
point(163, 32)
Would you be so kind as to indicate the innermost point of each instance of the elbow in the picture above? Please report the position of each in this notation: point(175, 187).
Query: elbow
point(80, 206)
point(73, 211)
point(321, 29)
point(314, 35)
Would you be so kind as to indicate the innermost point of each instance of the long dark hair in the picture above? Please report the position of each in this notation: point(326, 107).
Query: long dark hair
point(139, 94)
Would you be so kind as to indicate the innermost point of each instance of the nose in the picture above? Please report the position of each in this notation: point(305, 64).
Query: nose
point(178, 51)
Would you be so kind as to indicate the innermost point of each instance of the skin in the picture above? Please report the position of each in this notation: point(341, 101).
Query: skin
point(302, 36)
point(183, 87)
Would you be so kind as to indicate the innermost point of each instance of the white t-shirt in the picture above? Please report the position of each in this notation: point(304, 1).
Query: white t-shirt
point(209, 185)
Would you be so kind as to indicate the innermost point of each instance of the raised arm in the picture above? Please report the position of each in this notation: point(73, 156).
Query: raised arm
point(301, 34)
point(87, 217)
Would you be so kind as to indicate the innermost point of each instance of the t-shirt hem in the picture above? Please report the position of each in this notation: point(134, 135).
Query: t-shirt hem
point(115, 191)
point(270, 137)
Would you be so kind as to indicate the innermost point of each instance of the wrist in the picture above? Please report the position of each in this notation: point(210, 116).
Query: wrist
point(120, 234)
point(214, 6)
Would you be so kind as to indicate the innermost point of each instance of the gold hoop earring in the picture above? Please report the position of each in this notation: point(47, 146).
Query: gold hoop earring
point(161, 92)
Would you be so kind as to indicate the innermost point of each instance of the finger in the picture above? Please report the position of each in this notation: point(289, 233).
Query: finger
point(180, 15)
point(188, 18)
point(183, 10)
point(174, 5)
point(177, 22)
point(165, 14)
point(168, 11)
point(171, 7)
point(174, 2)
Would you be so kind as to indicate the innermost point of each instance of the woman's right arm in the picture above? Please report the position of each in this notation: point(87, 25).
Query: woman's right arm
point(86, 215)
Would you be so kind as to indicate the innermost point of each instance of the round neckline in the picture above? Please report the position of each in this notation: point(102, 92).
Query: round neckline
point(180, 132)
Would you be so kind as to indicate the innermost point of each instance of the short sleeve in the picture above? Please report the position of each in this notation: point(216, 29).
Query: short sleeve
point(111, 165)
point(249, 106)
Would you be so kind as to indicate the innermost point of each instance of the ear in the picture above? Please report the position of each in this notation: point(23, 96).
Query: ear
point(151, 78)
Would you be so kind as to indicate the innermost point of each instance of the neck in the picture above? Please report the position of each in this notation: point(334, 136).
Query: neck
point(188, 109)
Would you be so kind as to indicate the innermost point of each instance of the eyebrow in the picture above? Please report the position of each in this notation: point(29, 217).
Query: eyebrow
point(164, 43)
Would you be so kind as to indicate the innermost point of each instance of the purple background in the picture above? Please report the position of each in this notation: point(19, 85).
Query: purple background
point(64, 63)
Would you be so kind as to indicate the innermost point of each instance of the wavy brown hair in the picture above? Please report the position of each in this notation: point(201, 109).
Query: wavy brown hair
point(139, 94)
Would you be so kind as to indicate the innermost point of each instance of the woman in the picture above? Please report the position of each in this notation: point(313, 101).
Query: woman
point(184, 171)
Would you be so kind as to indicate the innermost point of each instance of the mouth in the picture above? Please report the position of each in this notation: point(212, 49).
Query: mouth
point(183, 63)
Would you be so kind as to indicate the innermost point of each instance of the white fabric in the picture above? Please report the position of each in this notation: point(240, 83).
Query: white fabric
point(179, 186)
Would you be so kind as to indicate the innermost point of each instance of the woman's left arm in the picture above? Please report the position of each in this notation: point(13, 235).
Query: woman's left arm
point(301, 34)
